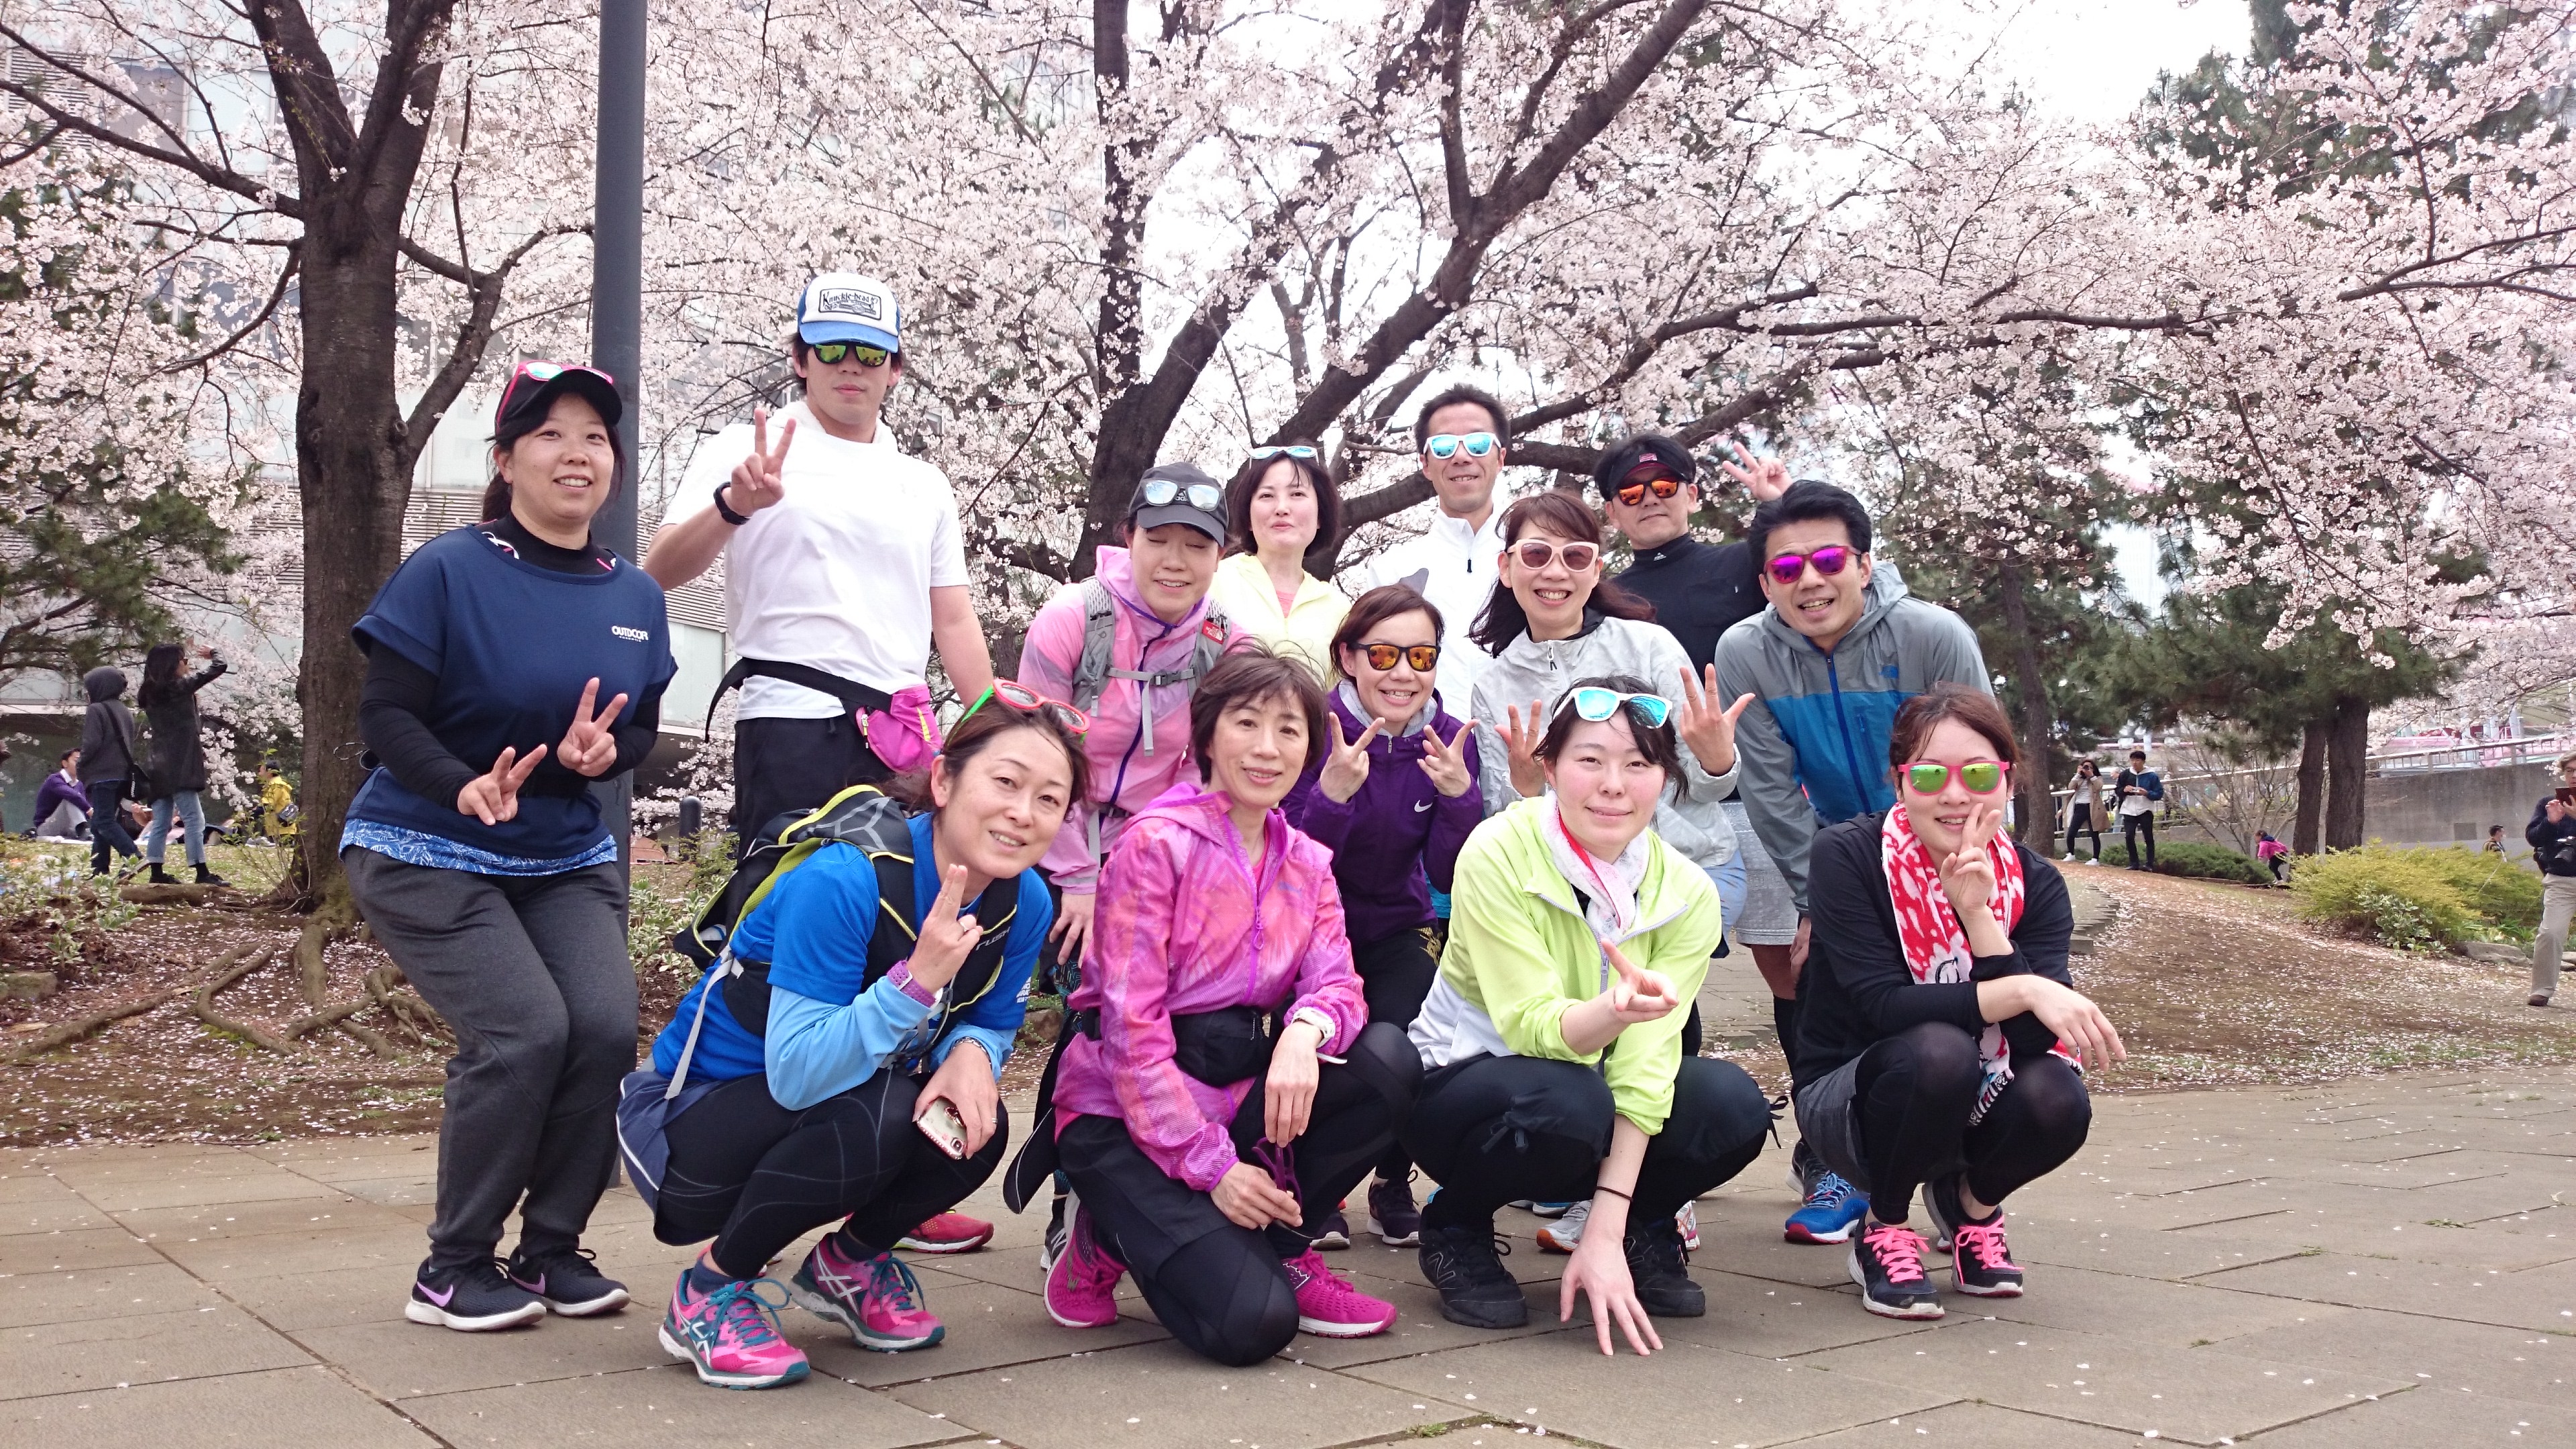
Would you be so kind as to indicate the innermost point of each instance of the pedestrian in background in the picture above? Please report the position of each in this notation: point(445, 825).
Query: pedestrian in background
point(2084, 808)
point(178, 761)
point(2495, 840)
point(2139, 789)
point(2552, 837)
point(107, 762)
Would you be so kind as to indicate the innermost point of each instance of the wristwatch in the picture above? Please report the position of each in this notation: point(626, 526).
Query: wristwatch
point(725, 510)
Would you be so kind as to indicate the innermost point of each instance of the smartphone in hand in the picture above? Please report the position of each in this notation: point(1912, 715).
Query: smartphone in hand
point(944, 1128)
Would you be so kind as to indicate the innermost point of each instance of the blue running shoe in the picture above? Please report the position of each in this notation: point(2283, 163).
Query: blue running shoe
point(1832, 1209)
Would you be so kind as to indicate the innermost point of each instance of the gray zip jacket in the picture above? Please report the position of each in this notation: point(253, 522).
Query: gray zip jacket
point(1530, 669)
point(1813, 746)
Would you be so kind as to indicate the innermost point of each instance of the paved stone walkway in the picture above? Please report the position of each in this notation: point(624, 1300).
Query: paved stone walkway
point(2388, 1262)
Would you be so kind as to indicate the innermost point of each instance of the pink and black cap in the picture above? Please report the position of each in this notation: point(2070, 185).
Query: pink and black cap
point(533, 387)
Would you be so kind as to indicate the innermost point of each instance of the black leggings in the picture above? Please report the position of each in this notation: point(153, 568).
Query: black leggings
point(1496, 1129)
point(2133, 826)
point(2080, 821)
point(756, 1177)
point(1216, 1286)
point(1911, 1096)
point(1396, 972)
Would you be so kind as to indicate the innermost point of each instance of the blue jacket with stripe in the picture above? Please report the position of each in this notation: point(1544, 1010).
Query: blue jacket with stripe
point(1812, 750)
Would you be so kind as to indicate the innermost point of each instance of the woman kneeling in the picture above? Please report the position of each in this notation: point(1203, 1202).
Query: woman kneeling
point(839, 1073)
point(1938, 1038)
point(1205, 1156)
point(1552, 1040)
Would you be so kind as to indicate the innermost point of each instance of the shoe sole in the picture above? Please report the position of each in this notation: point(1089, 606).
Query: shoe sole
point(1075, 1322)
point(1499, 1318)
point(1929, 1308)
point(924, 1245)
point(1999, 1290)
point(1549, 1243)
point(608, 1302)
point(1800, 1233)
point(1407, 1240)
point(1675, 1310)
point(706, 1375)
point(1321, 1328)
point(437, 1317)
point(824, 1308)
point(1332, 1242)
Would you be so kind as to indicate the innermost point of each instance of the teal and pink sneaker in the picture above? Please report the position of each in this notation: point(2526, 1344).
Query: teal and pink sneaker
point(1082, 1285)
point(730, 1335)
point(876, 1298)
point(1328, 1306)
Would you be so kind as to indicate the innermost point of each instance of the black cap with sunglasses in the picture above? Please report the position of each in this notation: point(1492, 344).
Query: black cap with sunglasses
point(533, 387)
point(1178, 493)
point(1641, 459)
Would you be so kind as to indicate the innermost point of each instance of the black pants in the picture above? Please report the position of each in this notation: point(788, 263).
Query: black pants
point(2133, 826)
point(755, 1176)
point(1216, 1286)
point(795, 764)
point(1396, 972)
point(107, 823)
point(1911, 1097)
point(2280, 870)
point(2079, 821)
point(533, 975)
point(1495, 1129)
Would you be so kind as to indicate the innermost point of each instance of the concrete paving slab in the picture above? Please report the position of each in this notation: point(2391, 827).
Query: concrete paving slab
point(21, 1187)
point(313, 1250)
point(1983, 1425)
point(192, 1188)
point(2177, 1315)
point(988, 1327)
point(1763, 1319)
point(2198, 1395)
point(2514, 1363)
point(107, 1353)
point(322, 1157)
point(667, 1408)
point(2147, 1254)
point(1162, 1396)
point(2423, 1417)
point(37, 1298)
point(1687, 1395)
point(295, 1302)
point(79, 1248)
point(1419, 1328)
point(400, 1359)
point(69, 1212)
point(206, 1222)
point(298, 1408)
point(420, 1190)
point(2536, 1298)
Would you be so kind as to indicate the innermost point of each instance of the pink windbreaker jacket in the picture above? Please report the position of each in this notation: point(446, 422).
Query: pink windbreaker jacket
point(1184, 927)
point(1129, 767)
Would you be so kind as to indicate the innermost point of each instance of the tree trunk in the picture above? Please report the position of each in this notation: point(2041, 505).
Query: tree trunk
point(2346, 754)
point(2304, 834)
point(2037, 826)
point(353, 468)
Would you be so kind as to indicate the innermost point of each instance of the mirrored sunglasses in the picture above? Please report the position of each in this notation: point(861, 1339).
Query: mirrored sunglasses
point(1446, 445)
point(1534, 553)
point(1292, 450)
point(830, 353)
point(1788, 567)
point(1634, 491)
point(1159, 491)
point(1596, 704)
point(1977, 777)
point(1028, 701)
point(1383, 656)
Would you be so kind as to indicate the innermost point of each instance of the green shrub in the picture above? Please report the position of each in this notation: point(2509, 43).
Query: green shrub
point(2210, 862)
point(2505, 893)
point(2399, 896)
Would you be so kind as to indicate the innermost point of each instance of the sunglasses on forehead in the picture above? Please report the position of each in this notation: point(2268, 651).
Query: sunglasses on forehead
point(1788, 568)
point(829, 353)
point(538, 374)
point(1977, 777)
point(1594, 703)
point(1292, 450)
point(1020, 697)
point(1382, 657)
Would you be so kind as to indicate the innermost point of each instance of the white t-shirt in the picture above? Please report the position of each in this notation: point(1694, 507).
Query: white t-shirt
point(838, 573)
point(1457, 563)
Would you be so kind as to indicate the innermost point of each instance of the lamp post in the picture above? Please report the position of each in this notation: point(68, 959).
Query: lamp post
point(617, 294)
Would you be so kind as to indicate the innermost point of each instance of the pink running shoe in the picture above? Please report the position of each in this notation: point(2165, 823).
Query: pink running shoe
point(950, 1232)
point(1082, 1287)
point(877, 1299)
point(1981, 1262)
point(730, 1336)
point(1329, 1307)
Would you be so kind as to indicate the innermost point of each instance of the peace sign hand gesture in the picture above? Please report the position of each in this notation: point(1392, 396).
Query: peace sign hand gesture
point(760, 480)
point(1708, 730)
point(1763, 478)
point(946, 938)
point(1968, 873)
point(1444, 762)
point(493, 797)
point(1638, 995)
point(590, 746)
point(1521, 735)
point(1346, 765)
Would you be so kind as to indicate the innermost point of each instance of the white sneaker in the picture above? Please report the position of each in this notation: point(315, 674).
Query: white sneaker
point(1688, 1221)
point(1562, 1235)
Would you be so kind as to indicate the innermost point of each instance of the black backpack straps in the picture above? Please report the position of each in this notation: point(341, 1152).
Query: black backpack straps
point(895, 932)
point(890, 940)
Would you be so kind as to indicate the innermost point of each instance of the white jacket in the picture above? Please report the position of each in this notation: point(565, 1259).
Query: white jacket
point(1529, 669)
point(1457, 564)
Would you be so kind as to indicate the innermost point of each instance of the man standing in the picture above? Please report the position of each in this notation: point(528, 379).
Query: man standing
point(844, 564)
point(1462, 437)
point(1840, 647)
point(2138, 789)
point(2552, 838)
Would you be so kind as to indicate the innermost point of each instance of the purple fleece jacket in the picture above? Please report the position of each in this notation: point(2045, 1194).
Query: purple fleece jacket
point(1398, 830)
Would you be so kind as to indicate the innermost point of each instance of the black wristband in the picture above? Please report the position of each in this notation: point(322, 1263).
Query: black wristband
point(725, 511)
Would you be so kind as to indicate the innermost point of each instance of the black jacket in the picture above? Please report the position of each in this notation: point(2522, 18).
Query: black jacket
point(1856, 989)
point(2553, 847)
point(105, 728)
point(1699, 591)
point(178, 758)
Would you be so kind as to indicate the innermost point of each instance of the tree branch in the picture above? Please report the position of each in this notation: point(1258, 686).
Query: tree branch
point(276, 294)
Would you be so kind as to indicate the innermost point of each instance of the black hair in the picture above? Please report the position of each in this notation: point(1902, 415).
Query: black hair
point(1946, 700)
point(1659, 743)
point(160, 672)
point(1369, 610)
point(1451, 397)
point(1805, 500)
point(496, 495)
point(1251, 673)
point(67, 756)
point(1565, 515)
point(976, 733)
point(1247, 481)
point(2137, 754)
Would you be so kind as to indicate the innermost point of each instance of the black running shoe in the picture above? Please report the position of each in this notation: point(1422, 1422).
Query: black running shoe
point(1887, 1263)
point(475, 1297)
point(1398, 1221)
point(1981, 1263)
point(568, 1280)
point(1659, 1266)
point(1336, 1233)
point(1464, 1265)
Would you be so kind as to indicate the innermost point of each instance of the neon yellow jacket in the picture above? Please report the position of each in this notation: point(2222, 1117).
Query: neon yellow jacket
point(1520, 953)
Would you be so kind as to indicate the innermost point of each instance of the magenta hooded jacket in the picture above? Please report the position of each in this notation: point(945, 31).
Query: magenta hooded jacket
point(1184, 926)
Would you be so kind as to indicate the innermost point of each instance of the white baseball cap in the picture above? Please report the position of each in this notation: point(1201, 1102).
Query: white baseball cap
point(847, 307)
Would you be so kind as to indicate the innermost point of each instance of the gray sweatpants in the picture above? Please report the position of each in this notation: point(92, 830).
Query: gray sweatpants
point(532, 974)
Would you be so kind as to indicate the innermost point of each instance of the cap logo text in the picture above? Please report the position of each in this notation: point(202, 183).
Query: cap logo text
point(863, 304)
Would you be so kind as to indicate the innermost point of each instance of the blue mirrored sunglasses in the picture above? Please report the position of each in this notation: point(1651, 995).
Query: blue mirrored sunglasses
point(1159, 491)
point(1446, 445)
point(1596, 704)
point(1292, 450)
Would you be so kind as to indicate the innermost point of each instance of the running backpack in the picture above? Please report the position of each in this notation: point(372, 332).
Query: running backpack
point(1092, 673)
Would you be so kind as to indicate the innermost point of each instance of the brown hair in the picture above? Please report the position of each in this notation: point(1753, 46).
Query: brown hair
point(1369, 610)
point(1563, 514)
point(1250, 674)
point(976, 733)
point(1247, 481)
point(1660, 744)
point(1919, 716)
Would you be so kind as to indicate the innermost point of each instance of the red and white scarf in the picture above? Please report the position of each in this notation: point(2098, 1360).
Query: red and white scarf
point(1928, 932)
